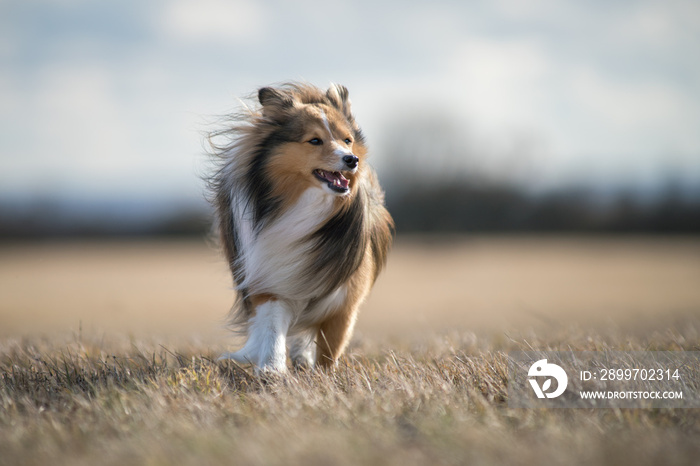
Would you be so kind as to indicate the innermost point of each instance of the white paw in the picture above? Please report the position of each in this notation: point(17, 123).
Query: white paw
point(266, 345)
point(271, 370)
point(236, 356)
point(270, 367)
point(304, 361)
point(302, 350)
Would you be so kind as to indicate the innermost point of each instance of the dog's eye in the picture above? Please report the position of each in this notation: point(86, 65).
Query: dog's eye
point(348, 141)
point(315, 142)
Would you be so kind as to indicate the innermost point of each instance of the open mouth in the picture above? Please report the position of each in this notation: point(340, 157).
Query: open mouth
point(335, 180)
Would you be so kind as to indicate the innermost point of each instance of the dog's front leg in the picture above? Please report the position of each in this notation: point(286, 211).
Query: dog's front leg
point(266, 345)
point(302, 349)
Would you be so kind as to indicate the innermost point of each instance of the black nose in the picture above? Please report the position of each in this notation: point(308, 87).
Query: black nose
point(350, 161)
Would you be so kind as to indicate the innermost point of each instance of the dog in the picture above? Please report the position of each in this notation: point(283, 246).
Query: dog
point(301, 218)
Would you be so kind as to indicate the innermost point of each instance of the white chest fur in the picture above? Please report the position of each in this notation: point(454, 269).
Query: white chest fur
point(276, 259)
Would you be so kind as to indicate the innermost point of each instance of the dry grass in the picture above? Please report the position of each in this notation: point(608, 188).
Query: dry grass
point(415, 393)
point(441, 402)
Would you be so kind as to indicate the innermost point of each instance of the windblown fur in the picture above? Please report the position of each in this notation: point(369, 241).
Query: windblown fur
point(302, 223)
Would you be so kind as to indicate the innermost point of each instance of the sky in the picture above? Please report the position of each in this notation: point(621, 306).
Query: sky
point(113, 99)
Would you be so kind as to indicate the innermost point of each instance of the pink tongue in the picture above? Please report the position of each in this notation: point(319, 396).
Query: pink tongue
point(341, 181)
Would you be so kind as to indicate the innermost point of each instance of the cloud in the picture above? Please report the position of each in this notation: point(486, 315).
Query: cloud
point(625, 106)
point(661, 25)
point(629, 119)
point(79, 132)
point(500, 81)
point(213, 21)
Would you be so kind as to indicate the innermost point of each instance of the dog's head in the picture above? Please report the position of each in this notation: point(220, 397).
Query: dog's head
point(312, 138)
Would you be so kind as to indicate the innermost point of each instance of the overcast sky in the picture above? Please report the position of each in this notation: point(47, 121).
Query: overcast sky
point(110, 98)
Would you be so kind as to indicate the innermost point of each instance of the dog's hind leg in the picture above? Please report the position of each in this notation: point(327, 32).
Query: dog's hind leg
point(266, 345)
point(333, 336)
point(334, 333)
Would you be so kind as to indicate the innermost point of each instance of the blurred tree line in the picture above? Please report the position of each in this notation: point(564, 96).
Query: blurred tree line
point(464, 208)
point(454, 207)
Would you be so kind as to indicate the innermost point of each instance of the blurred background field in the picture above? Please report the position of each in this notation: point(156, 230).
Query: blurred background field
point(492, 284)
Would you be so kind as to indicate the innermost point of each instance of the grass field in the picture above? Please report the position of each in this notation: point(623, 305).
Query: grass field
point(107, 349)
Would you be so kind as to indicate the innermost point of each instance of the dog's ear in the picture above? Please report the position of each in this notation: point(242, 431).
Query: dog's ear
point(269, 96)
point(274, 102)
point(338, 95)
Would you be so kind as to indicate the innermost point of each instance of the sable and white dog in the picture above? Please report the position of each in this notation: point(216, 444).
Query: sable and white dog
point(303, 225)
